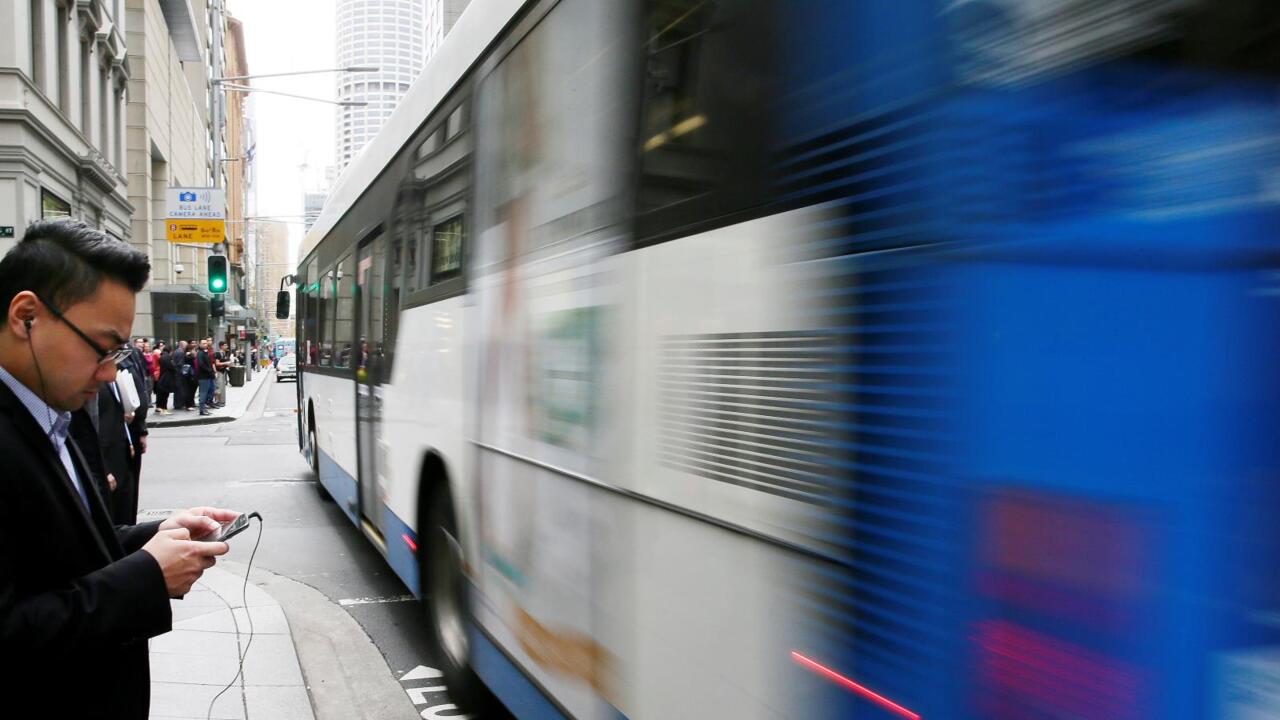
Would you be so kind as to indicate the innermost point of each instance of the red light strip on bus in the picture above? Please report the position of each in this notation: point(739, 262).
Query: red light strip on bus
point(848, 684)
point(413, 546)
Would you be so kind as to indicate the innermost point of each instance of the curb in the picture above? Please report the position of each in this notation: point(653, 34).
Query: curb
point(345, 674)
point(210, 419)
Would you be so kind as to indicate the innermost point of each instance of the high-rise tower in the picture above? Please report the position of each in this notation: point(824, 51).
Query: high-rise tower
point(387, 34)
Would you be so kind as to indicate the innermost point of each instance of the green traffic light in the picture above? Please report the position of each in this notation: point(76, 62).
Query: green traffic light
point(217, 283)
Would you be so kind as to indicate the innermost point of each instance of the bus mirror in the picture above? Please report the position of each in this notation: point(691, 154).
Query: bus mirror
point(282, 305)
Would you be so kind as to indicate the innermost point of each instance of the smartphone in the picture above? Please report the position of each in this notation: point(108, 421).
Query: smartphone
point(228, 530)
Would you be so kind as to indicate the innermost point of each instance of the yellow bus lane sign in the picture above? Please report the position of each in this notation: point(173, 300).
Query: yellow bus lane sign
point(195, 231)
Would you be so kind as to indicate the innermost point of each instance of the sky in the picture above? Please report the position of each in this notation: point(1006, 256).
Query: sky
point(290, 36)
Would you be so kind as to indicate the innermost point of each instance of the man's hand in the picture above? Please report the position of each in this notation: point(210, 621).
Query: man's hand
point(181, 559)
point(199, 521)
point(143, 442)
point(111, 482)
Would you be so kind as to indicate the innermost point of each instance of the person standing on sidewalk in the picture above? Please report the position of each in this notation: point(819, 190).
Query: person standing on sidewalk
point(137, 366)
point(116, 446)
point(165, 381)
point(182, 375)
point(222, 361)
point(205, 372)
point(152, 362)
point(76, 594)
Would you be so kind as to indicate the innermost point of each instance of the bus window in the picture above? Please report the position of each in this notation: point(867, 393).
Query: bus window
point(311, 327)
point(704, 130)
point(344, 312)
point(328, 286)
point(446, 250)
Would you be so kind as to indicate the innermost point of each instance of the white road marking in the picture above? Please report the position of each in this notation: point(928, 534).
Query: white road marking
point(418, 696)
point(422, 672)
point(433, 713)
point(375, 600)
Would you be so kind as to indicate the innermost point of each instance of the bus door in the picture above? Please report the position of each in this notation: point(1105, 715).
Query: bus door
point(370, 281)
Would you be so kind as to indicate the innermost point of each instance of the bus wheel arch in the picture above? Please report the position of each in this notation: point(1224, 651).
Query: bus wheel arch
point(312, 442)
point(443, 585)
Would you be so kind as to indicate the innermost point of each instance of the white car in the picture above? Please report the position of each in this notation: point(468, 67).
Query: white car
point(287, 367)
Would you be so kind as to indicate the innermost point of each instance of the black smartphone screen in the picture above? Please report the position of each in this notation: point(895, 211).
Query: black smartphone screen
point(230, 529)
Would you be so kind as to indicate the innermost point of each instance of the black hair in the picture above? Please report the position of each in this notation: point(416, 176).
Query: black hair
point(64, 261)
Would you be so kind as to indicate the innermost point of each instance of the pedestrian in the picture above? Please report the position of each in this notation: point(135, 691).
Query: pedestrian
point(152, 362)
point(222, 361)
point(76, 594)
point(136, 364)
point(205, 372)
point(166, 381)
point(116, 445)
point(186, 379)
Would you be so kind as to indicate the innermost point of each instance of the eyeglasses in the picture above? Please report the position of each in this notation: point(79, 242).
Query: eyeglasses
point(114, 356)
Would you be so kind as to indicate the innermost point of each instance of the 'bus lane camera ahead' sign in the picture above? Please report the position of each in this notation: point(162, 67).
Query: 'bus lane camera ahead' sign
point(195, 215)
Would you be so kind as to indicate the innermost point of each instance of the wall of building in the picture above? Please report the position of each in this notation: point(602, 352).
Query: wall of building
point(273, 253)
point(51, 139)
point(169, 142)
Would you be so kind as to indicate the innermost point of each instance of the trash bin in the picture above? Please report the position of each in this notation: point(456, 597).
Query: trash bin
point(236, 375)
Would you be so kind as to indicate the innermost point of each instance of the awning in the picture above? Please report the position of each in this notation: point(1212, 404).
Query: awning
point(237, 312)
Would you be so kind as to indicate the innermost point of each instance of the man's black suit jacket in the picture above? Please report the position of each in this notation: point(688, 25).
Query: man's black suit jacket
point(122, 505)
point(78, 597)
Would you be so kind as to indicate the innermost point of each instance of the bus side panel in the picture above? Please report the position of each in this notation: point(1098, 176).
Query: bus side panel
point(422, 413)
point(334, 402)
point(730, 380)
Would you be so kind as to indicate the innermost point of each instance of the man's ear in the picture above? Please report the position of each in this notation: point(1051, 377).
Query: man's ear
point(22, 314)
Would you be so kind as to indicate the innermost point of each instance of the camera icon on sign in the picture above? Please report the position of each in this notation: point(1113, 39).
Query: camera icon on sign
point(186, 197)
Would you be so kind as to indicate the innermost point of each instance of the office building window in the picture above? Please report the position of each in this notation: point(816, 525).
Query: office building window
point(52, 206)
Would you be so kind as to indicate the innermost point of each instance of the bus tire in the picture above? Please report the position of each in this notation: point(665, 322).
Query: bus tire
point(444, 601)
point(315, 464)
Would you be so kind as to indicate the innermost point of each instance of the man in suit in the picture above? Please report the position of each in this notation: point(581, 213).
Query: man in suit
point(137, 365)
point(78, 597)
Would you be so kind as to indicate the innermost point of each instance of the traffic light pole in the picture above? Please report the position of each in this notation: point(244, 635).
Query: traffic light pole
point(215, 11)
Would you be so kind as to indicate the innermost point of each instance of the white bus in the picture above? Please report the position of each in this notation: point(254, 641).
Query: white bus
point(636, 342)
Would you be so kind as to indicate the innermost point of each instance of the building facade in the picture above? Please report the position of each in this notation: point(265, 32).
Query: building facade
point(238, 178)
point(274, 264)
point(390, 35)
point(169, 141)
point(63, 75)
point(170, 138)
point(441, 16)
point(312, 204)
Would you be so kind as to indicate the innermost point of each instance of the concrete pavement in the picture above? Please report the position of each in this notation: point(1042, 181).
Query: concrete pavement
point(199, 661)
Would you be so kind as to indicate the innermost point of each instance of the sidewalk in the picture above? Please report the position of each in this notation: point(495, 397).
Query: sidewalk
point(238, 400)
point(201, 656)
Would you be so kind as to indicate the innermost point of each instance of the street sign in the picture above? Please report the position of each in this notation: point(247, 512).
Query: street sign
point(195, 231)
point(6, 231)
point(195, 215)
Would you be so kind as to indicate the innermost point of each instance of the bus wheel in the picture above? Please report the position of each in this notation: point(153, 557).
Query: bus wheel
point(315, 465)
point(444, 600)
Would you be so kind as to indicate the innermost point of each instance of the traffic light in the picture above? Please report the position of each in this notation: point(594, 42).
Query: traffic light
point(217, 273)
point(217, 306)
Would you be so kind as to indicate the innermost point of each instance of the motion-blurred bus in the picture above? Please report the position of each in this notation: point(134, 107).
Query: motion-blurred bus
point(808, 359)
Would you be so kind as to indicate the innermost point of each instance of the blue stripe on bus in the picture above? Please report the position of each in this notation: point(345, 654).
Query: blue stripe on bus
point(340, 484)
point(524, 699)
point(400, 557)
